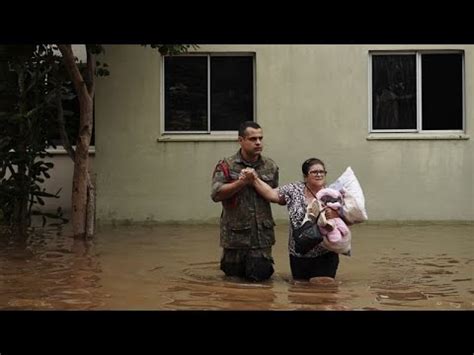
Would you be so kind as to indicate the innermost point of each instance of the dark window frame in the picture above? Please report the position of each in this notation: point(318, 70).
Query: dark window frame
point(208, 55)
point(418, 72)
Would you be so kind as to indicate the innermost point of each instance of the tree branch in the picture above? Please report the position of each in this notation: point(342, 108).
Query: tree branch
point(73, 70)
point(91, 64)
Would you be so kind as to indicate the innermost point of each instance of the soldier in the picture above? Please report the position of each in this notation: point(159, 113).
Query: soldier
point(246, 225)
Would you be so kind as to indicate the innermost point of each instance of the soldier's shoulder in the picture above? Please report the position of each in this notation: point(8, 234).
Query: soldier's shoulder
point(224, 160)
point(269, 162)
point(225, 164)
point(231, 159)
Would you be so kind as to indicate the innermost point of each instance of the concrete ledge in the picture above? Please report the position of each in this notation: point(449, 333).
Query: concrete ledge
point(131, 222)
point(419, 222)
point(61, 151)
point(417, 136)
point(279, 222)
point(197, 138)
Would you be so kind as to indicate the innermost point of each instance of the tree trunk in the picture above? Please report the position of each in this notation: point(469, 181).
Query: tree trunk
point(90, 204)
point(81, 172)
point(81, 181)
point(90, 219)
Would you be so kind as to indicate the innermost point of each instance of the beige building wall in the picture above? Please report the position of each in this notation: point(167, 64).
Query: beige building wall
point(311, 100)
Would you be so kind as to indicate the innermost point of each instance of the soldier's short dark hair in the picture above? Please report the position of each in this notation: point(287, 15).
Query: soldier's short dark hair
point(244, 125)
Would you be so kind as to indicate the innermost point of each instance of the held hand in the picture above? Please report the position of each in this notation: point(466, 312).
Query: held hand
point(248, 175)
point(330, 213)
point(254, 174)
point(243, 174)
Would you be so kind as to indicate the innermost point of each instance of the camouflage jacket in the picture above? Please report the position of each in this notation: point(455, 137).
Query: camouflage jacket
point(246, 218)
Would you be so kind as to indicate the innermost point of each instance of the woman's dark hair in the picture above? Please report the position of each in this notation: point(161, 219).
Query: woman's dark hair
point(310, 162)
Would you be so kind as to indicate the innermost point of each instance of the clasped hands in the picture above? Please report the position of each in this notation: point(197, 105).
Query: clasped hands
point(248, 176)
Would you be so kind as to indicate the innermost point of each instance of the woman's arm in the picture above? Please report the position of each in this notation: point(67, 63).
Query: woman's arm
point(267, 192)
point(262, 188)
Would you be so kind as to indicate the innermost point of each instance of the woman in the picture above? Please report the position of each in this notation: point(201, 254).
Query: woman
point(297, 196)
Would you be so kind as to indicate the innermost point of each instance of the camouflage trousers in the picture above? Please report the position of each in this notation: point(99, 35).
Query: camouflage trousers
point(251, 264)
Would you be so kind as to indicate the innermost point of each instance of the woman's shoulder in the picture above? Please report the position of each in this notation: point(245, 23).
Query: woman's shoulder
point(296, 184)
point(293, 186)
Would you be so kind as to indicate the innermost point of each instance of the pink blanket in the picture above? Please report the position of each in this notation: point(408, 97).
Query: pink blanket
point(335, 229)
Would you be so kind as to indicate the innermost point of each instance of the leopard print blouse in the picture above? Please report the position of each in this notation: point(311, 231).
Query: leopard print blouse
point(293, 193)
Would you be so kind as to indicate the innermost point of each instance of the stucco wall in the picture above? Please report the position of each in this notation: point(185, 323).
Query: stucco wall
point(310, 101)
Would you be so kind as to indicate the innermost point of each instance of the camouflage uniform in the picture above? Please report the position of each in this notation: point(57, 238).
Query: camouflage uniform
point(246, 228)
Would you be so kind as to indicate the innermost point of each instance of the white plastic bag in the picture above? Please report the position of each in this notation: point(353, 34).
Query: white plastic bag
point(354, 201)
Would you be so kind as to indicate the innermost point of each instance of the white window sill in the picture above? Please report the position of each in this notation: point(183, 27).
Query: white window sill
point(417, 136)
point(61, 151)
point(198, 138)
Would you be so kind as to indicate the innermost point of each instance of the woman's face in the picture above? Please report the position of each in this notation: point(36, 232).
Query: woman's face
point(316, 175)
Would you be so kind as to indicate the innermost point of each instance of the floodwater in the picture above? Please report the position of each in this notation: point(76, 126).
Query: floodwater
point(176, 267)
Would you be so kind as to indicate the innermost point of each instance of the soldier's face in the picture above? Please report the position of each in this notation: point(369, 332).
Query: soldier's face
point(252, 143)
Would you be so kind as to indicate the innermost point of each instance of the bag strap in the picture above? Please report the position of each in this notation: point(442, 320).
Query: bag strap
point(225, 169)
point(232, 201)
point(322, 210)
point(312, 193)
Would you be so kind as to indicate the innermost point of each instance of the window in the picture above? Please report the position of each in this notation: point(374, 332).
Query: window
point(208, 93)
point(417, 91)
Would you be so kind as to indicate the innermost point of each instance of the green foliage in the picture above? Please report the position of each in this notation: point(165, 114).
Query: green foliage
point(31, 81)
point(33, 86)
point(101, 69)
point(173, 49)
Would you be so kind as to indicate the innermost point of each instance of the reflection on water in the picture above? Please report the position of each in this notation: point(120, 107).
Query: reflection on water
point(48, 271)
point(177, 267)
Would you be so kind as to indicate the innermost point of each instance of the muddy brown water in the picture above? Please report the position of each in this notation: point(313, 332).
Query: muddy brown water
point(176, 267)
